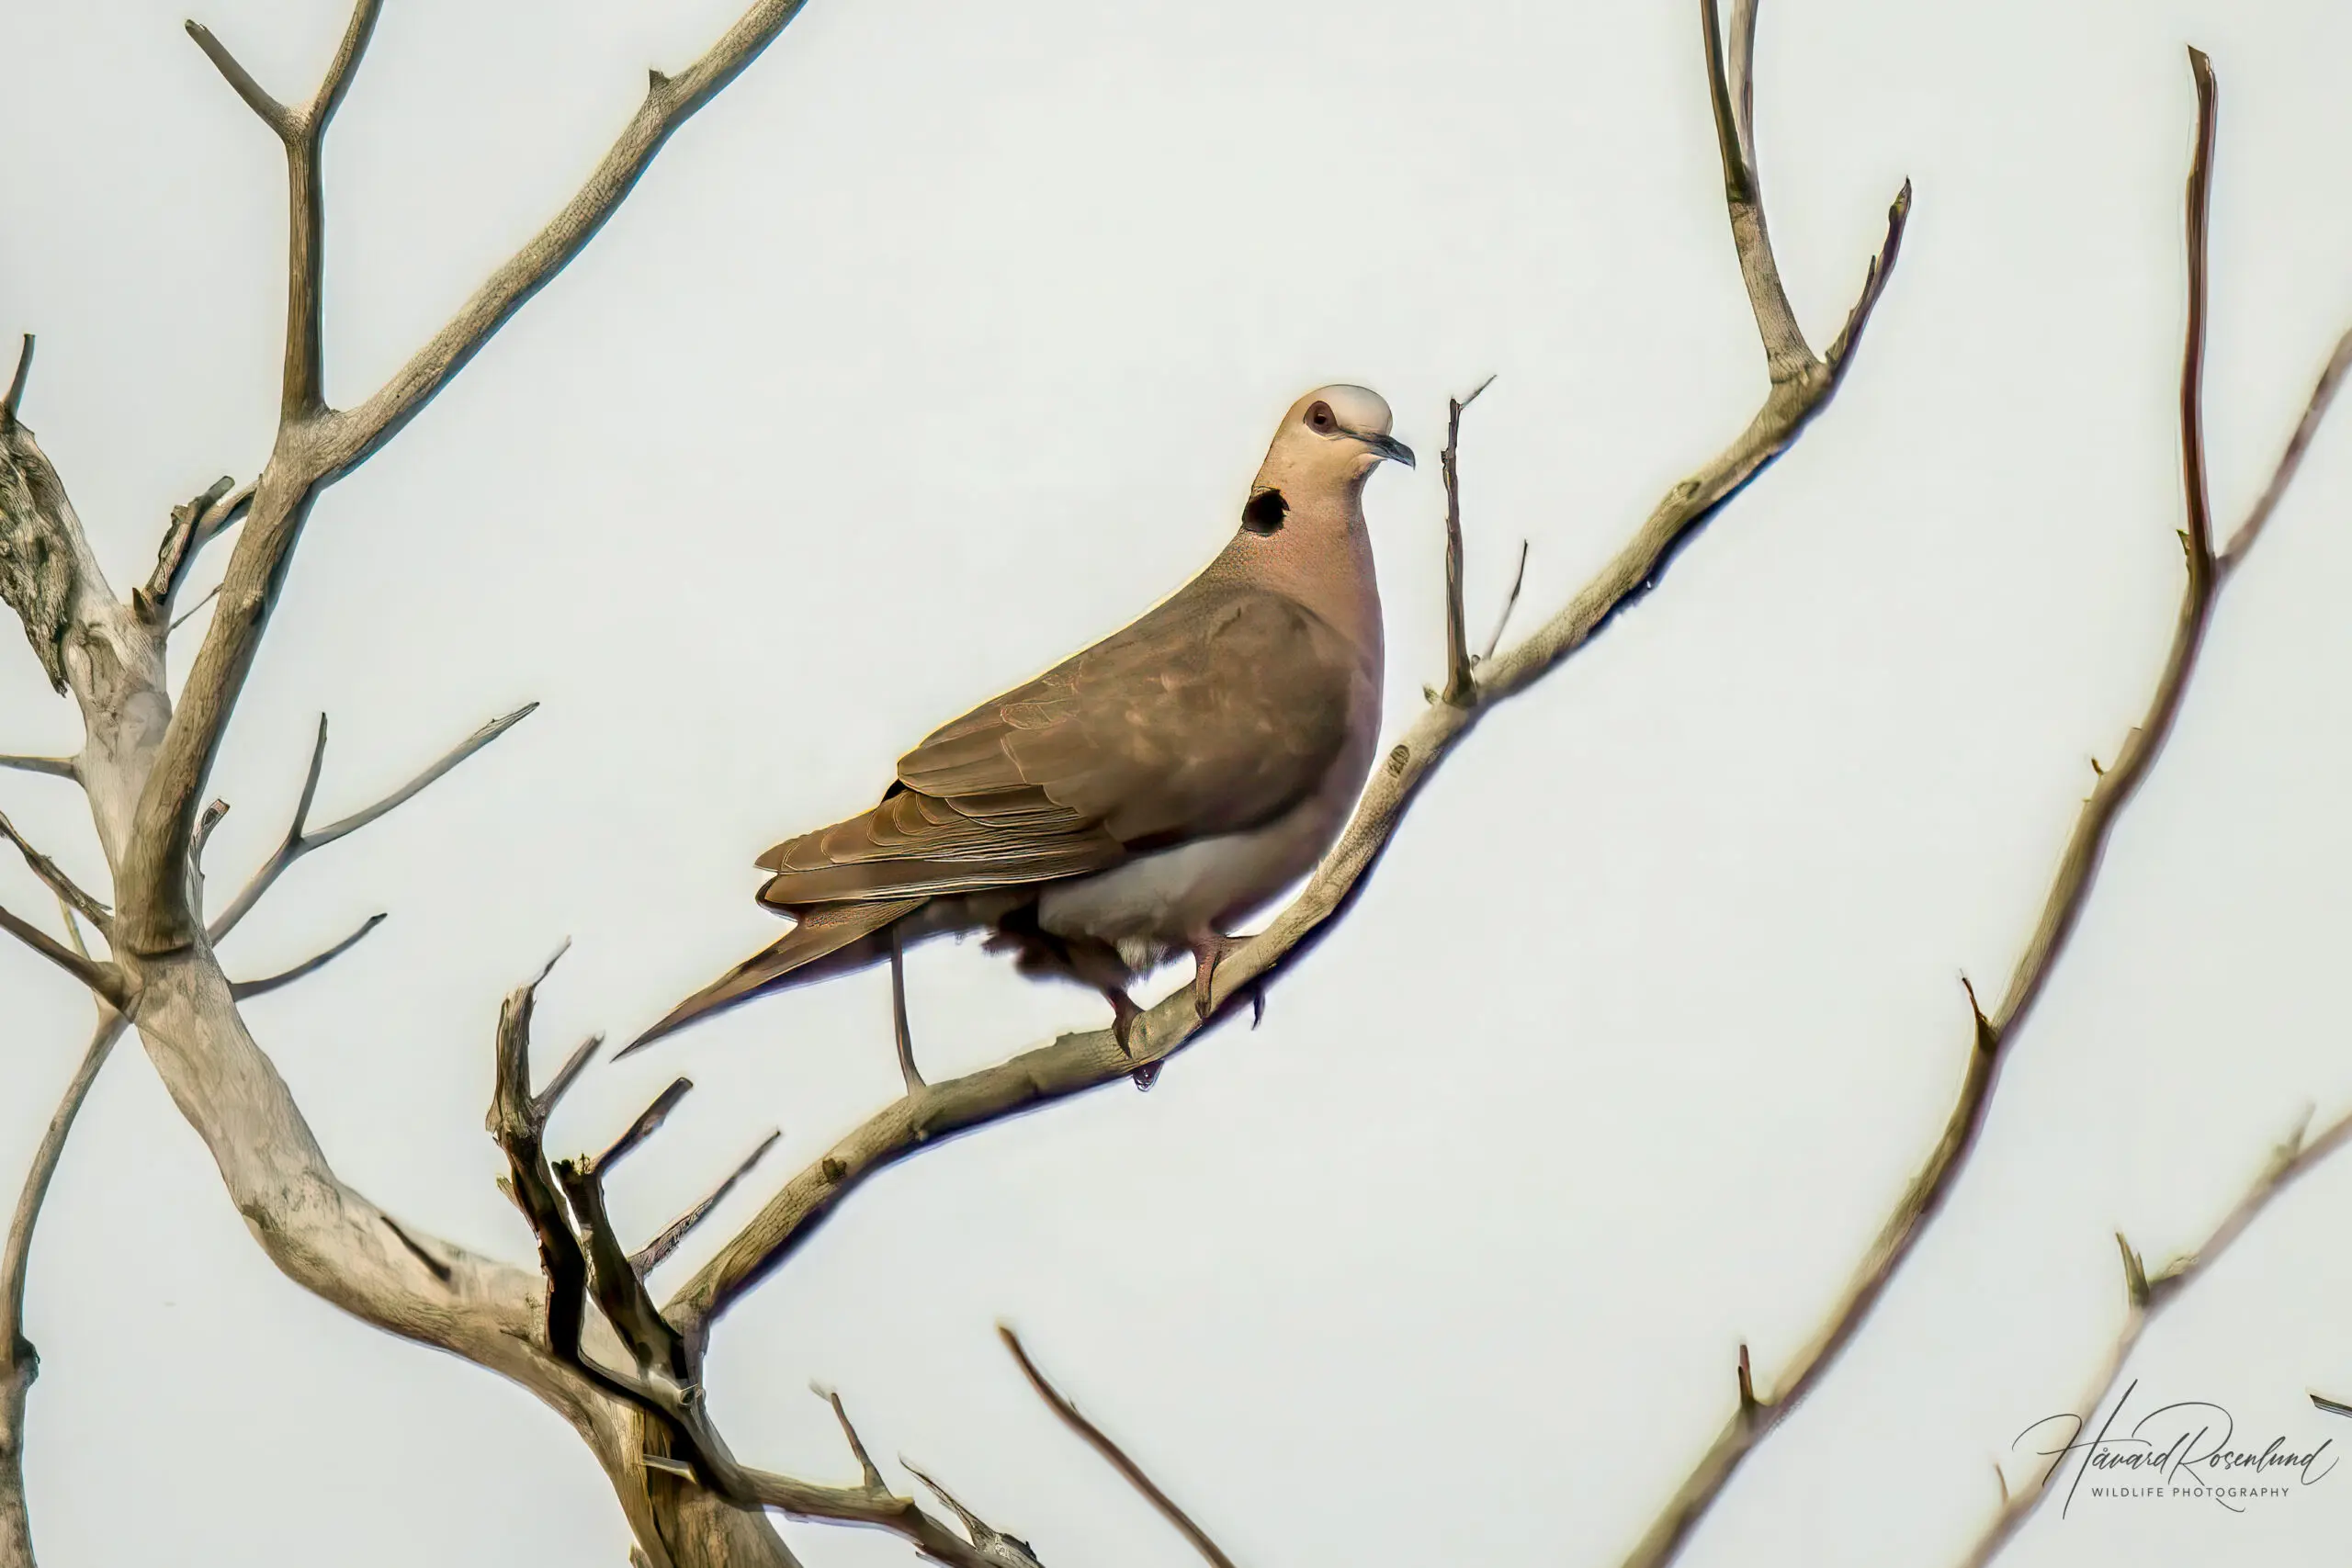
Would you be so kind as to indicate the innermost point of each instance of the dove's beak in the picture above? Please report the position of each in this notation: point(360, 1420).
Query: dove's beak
point(1385, 446)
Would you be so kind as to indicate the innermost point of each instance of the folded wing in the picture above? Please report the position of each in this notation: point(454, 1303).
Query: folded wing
point(1217, 712)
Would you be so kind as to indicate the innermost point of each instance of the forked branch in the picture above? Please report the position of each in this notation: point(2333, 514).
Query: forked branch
point(665, 1385)
point(302, 838)
point(1992, 1034)
point(315, 445)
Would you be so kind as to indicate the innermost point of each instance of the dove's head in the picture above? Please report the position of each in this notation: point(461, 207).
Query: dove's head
point(1334, 437)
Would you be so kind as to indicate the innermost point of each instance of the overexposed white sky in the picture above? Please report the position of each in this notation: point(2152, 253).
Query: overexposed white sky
point(946, 341)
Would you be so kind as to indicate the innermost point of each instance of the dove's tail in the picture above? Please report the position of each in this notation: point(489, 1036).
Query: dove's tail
point(829, 939)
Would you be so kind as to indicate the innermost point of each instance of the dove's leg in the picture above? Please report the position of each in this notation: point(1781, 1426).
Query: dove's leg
point(907, 1068)
point(1209, 948)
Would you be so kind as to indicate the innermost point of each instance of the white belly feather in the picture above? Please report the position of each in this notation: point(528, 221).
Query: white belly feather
point(1150, 905)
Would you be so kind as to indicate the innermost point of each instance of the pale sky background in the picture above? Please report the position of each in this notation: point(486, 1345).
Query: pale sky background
point(946, 341)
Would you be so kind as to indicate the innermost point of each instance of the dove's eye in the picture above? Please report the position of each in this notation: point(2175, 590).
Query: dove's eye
point(1319, 416)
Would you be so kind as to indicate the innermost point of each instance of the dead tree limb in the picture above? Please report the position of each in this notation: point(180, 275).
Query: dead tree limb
point(589, 1265)
point(146, 758)
point(19, 1363)
point(1760, 1413)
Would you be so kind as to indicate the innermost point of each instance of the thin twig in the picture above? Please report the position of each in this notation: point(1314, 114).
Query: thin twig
point(9, 404)
point(1103, 1443)
point(1461, 683)
point(2315, 411)
point(654, 1253)
point(55, 767)
point(995, 1546)
point(344, 65)
point(104, 979)
point(184, 615)
point(275, 115)
point(1991, 1035)
point(195, 524)
point(2199, 202)
point(48, 869)
point(2145, 1297)
point(866, 1468)
point(19, 1364)
point(649, 1121)
point(245, 991)
point(1510, 603)
point(301, 838)
point(573, 1066)
point(1731, 89)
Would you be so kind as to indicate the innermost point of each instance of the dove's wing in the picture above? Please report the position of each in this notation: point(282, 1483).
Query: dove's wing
point(1217, 712)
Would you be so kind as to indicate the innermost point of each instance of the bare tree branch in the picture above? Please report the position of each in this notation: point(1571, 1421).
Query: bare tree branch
point(315, 445)
point(275, 115)
point(301, 838)
point(64, 887)
point(194, 523)
point(19, 1364)
point(9, 404)
point(1510, 603)
point(1077, 1062)
point(188, 614)
point(2062, 911)
point(573, 1066)
point(649, 1121)
point(55, 767)
point(2315, 411)
point(1786, 355)
point(2145, 1297)
point(669, 102)
point(104, 979)
point(1461, 683)
point(653, 1252)
point(1101, 1442)
point(2194, 483)
point(244, 990)
point(994, 1544)
point(665, 1385)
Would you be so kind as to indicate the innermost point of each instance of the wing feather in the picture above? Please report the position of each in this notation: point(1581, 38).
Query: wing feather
point(1215, 713)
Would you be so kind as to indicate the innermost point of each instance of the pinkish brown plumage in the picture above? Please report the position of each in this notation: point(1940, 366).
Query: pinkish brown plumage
point(1145, 794)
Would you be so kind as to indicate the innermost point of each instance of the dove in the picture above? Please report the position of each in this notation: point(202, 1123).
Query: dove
point(1142, 798)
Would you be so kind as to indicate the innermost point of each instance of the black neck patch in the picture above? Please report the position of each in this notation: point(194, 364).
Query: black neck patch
point(1265, 512)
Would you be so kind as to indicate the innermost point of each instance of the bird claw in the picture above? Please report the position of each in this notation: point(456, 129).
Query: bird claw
point(1124, 1013)
point(1209, 949)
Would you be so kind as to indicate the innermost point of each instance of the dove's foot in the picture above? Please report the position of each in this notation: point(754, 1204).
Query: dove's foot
point(1124, 1013)
point(1209, 949)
